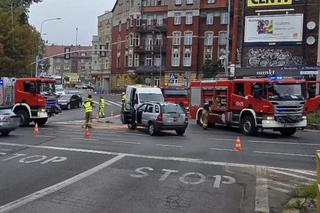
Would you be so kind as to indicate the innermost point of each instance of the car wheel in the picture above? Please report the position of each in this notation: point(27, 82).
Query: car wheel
point(24, 117)
point(199, 120)
point(152, 129)
point(42, 121)
point(68, 106)
point(248, 126)
point(5, 133)
point(132, 126)
point(288, 132)
point(180, 132)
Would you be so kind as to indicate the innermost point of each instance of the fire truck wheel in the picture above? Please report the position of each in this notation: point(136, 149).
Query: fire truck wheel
point(42, 121)
point(199, 120)
point(288, 132)
point(5, 133)
point(248, 126)
point(24, 117)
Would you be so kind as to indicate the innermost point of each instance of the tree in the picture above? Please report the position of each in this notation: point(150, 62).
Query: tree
point(211, 68)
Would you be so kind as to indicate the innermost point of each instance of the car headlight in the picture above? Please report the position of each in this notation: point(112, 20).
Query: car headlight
point(304, 117)
point(268, 117)
point(43, 110)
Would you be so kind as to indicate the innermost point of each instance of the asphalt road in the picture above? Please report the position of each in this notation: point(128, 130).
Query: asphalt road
point(118, 170)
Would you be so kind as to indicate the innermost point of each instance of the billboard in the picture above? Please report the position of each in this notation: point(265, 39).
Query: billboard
point(273, 28)
point(260, 3)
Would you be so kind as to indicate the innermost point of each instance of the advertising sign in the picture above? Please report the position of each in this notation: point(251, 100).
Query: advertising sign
point(273, 28)
point(260, 3)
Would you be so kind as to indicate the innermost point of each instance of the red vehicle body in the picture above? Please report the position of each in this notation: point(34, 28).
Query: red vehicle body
point(33, 99)
point(176, 94)
point(254, 104)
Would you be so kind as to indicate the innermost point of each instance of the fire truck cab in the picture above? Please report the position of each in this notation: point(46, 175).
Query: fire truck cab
point(252, 104)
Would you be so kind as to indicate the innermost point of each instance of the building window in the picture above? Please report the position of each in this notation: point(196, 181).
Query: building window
point(176, 38)
point(130, 60)
point(208, 38)
point(211, 1)
point(159, 20)
point(188, 38)
point(224, 18)
point(149, 42)
point(157, 81)
point(158, 40)
point(189, 1)
point(149, 20)
point(187, 57)
point(138, 21)
point(207, 54)
point(136, 60)
point(223, 38)
point(209, 19)
point(189, 18)
point(148, 60)
point(175, 57)
point(178, 2)
point(131, 40)
point(137, 40)
point(177, 18)
point(157, 60)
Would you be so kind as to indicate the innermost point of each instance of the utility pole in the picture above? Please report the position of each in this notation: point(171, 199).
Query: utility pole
point(228, 40)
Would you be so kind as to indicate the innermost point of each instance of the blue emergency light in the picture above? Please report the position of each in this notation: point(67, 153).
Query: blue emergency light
point(1, 82)
point(275, 78)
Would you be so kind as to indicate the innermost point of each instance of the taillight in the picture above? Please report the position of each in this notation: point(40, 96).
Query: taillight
point(159, 118)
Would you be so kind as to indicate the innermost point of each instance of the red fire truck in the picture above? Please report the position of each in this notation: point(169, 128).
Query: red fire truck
point(33, 99)
point(176, 94)
point(254, 104)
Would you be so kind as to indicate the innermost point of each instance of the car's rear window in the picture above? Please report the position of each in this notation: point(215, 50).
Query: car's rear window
point(172, 108)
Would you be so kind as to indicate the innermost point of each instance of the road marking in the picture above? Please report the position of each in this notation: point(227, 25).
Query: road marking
point(2, 153)
point(262, 197)
point(279, 189)
point(165, 145)
point(221, 139)
point(5, 150)
point(292, 175)
point(218, 149)
point(290, 186)
point(46, 191)
point(46, 136)
point(114, 103)
point(84, 139)
point(166, 158)
point(284, 153)
point(126, 142)
point(284, 143)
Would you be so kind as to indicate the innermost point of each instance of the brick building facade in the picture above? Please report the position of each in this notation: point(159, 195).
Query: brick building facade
point(171, 38)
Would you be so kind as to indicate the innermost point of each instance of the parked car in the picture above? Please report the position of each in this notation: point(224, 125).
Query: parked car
point(160, 116)
point(9, 121)
point(70, 101)
point(60, 91)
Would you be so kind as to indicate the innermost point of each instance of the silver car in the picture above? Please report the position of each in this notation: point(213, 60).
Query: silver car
point(160, 116)
point(8, 121)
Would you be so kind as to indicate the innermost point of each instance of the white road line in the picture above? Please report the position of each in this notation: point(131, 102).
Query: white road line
point(290, 186)
point(114, 103)
point(307, 173)
point(46, 136)
point(165, 158)
point(218, 149)
point(286, 154)
point(283, 143)
point(292, 175)
point(2, 153)
point(262, 197)
point(222, 139)
point(165, 145)
point(46, 191)
point(5, 150)
point(126, 142)
point(279, 189)
point(84, 139)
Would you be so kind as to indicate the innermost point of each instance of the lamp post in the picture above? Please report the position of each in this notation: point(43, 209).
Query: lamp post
point(160, 52)
point(228, 40)
point(37, 57)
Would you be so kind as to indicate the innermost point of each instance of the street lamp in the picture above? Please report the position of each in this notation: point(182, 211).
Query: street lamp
point(37, 57)
point(160, 52)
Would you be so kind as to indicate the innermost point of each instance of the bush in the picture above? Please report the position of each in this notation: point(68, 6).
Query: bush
point(314, 118)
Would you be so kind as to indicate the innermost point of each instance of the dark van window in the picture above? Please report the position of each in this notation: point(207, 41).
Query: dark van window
point(29, 86)
point(239, 89)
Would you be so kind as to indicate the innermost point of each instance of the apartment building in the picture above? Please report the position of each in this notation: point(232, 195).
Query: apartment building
point(101, 56)
point(165, 41)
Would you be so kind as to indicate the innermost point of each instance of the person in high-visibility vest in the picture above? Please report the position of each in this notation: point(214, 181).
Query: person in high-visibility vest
point(88, 111)
point(123, 99)
point(205, 116)
point(101, 107)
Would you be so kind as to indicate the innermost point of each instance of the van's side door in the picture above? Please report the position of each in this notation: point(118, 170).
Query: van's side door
point(147, 114)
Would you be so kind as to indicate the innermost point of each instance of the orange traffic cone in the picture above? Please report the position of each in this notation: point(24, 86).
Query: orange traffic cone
point(238, 147)
point(36, 129)
point(87, 133)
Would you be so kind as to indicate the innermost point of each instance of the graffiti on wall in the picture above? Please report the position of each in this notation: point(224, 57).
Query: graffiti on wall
point(272, 58)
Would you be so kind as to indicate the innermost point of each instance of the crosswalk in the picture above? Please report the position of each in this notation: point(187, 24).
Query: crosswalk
point(285, 180)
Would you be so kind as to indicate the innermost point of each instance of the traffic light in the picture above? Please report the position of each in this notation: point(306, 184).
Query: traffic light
point(67, 51)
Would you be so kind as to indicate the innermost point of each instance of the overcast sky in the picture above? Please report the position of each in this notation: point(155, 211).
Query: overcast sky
point(74, 13)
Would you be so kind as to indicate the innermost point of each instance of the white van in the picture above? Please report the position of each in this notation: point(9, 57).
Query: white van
point(137, 95)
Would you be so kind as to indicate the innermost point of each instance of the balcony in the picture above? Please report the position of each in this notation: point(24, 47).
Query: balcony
point(151, 49)
point(152, 28)
point(149, 69)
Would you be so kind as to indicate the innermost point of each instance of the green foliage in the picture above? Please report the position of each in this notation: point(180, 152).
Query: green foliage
point(309, 191)
point(211, 68)
point(18, 40)
point(314, 118)
point(139, 79)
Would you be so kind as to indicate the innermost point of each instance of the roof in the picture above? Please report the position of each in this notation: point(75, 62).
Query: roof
point(52, 50)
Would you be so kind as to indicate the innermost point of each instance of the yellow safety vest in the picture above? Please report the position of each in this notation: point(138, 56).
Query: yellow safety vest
point(102, 104)
point(123, 98)
point(88, 106)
